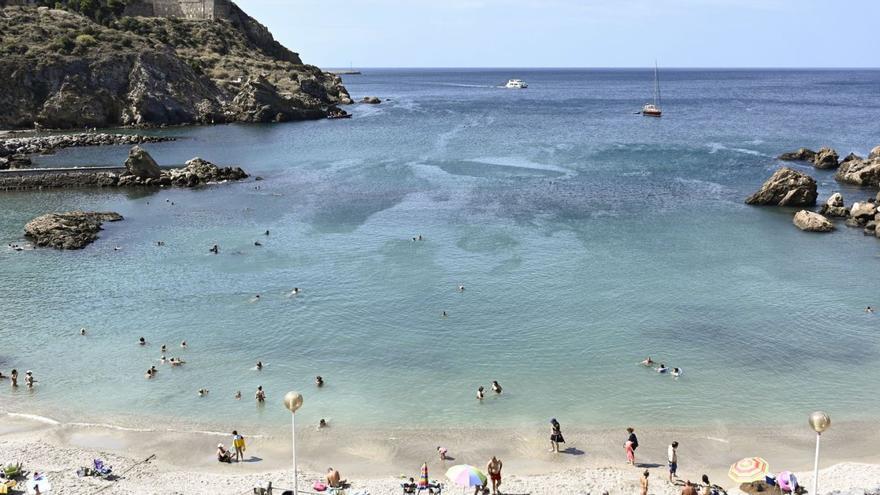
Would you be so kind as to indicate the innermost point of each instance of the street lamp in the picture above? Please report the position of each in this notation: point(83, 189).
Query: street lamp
point(293, 401)
point(819, 421)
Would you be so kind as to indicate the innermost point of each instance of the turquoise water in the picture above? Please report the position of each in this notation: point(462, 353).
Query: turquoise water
point(587, 238)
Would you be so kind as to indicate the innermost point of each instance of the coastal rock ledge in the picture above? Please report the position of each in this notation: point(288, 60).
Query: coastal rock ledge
point(70, 230)
point(786, 187)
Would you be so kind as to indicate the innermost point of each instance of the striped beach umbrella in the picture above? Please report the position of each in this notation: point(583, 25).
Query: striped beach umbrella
point(748, 470)
point(423, 475)
point(464, 475)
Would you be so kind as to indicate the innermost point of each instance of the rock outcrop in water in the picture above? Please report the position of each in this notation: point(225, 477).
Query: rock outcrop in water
point(860, 172)
point(71, 230)
point(825, 158)
point(810, 221)
point(786, 187)
point(834, 206)
point(141, 165)
point(63, 70)
point(801, 155)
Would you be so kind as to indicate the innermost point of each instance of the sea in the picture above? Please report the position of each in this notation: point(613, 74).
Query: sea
point(586, 236)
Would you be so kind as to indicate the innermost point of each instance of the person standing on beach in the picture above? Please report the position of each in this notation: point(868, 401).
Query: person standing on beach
point(644, 482)
point(494, 470)
point(672, 457)
point(238, 445)
point(555, 436)
point(632, 443)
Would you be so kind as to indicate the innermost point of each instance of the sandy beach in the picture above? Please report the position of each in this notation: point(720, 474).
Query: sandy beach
point(376, 461)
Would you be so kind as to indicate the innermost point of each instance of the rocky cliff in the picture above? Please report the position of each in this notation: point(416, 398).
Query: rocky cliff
point(59, 69)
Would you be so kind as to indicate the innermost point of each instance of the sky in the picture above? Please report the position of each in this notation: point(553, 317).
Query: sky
point(575, 33)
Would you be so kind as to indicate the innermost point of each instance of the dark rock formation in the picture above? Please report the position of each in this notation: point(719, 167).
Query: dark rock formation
point(826, 158)
point(372, 100)
point(71, 230)
point(801, 155)
point(850, 157)
point(141, 165)
point(786, 187)
point(812, 222)
point(259, 101)
point(62, 70)
point(860, 172)
point(834, 206)
point(14, 161)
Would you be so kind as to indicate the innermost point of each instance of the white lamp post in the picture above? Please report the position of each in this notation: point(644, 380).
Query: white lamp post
point(293, 401)
point(820, 422)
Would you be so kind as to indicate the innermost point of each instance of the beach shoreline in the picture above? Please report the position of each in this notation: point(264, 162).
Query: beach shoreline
point(380, 457)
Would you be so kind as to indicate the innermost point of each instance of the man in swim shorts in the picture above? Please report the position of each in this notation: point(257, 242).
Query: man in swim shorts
point(672, 457)
point(494, 470)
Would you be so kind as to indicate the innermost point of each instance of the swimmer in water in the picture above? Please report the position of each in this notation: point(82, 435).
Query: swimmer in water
point(153, 370)
point(461, 288)
point(648, 361)
point(183, 344)
point(203, 392)
point(267, 233)
point(142, 341)
point(662, 368)
point(322, 423)
point(421, 238)
point(255, 298)
point(869, 309)
point(295, 291)
point(260, 395)
point(676, 372)
point(149, 374)
point(117, 248)
point(496, 387)
point(444, 315)
point(163, 348)
point(163, 360)
point(215, 249)
point(259, 365)
point(480, 393)
point(238, 395)
point(82, 331)
point(257, 243)
point(29, 379)
point(319, 381)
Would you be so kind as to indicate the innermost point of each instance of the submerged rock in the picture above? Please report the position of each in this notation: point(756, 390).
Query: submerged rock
point(802, 155)
point(372, 100)
point(786, 187)
point(70, 230)
point(825, 158)
point(810, 221)
point(141, 165)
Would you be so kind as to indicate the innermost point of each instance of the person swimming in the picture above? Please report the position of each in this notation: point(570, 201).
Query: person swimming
point(215, 249)
point(238, 395)
point(295, 291)
point(82, 331)
point(496, 387)
point(142, 341)
point(869, 309)
point(162, 359)
point(676, 372)
point(662, 368)
point(259, 365)
point(319, 381)
point(183, 344)
point(647, 362)
point(444, 315)
point(255, 298)
point(260, 395)
point(149, 374)
point(164, 348)
point(257, 243)
point(267, 233)
point(480, 394)
point(461, 288)
point(203, 392)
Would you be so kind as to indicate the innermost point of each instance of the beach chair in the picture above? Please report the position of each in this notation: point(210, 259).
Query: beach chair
point(7, 486)
point(12, 470)
point(433, 487)
point(102, 470)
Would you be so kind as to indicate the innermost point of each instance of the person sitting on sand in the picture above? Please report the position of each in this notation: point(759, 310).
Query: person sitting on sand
point(410, 486)
point(662, 368)
point(334, 479)
point(260, 395)
point(496, 387)
point(319, 381)
point(442, 452)
point(142, 341)
point(480, 393)
point(689, 489)
point(223, 454)
point(648, 361)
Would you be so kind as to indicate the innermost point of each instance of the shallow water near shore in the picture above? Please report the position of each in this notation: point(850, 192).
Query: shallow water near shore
point(587, 237)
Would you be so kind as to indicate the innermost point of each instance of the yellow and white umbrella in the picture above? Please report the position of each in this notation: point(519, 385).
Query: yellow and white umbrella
point(748, 470)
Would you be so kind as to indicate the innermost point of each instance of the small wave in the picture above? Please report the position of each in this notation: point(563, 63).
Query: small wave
point(34, 417)
point(463, 85)
point(518, 162)
point(712, 187)
point(716, 439)
point(716, 147)
point(109, 427)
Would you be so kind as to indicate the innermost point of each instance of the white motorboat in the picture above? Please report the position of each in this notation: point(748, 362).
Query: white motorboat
point(516, 84)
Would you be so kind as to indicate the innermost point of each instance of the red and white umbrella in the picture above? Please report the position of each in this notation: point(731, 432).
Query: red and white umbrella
point(748, 470)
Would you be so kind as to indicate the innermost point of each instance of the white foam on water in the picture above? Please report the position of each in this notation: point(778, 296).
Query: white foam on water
point(519, 162)
point(34, 417)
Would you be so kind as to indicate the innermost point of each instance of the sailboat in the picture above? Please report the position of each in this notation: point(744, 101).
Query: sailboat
point(653, 109)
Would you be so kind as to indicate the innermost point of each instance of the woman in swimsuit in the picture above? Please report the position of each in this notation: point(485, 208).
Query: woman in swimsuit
point(555, 436)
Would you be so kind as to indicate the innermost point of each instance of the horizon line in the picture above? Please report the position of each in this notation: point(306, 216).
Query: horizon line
point(351, 67)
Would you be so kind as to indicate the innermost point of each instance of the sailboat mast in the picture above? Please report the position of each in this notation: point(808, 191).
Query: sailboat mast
point(656, 85)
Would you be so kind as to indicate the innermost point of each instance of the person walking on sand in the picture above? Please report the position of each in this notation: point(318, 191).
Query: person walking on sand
point(672, 458)
point(494, 470)
point(644, 483)
point(632, 443)
point(555, 436)
point(238, 445)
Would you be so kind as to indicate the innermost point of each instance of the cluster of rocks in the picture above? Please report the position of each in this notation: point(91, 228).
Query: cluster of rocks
point(788, 187)
point(372, 100)
point(14, 151)
point(142, 170)
point(70, 230)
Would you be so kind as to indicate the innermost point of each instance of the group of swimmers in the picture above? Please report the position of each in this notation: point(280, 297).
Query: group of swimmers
point(29, 380)
point(676, 372)
point(495, 388)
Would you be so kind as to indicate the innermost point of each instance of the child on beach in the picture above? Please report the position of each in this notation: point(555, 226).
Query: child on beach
point(632, 443)
point(555, 436)
point(644, 481)
point(238, 445)
point(672, 457)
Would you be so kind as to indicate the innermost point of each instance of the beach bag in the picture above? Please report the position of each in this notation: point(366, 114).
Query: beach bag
point(319, 487)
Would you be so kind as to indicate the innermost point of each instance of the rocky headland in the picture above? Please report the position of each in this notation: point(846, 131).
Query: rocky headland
point(62, 69)
point(140, 170)
point(788, 187)
point(70, 230)
point(14, 151)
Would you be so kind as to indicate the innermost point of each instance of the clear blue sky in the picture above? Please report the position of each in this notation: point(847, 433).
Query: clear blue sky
point(575, 33)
